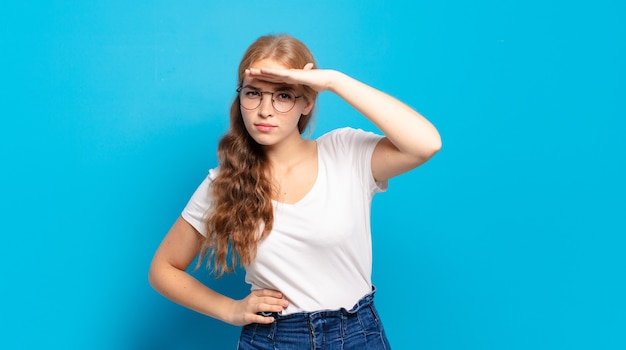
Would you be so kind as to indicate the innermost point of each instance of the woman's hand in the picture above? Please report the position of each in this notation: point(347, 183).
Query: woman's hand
point(318, 79)
point(247, 310)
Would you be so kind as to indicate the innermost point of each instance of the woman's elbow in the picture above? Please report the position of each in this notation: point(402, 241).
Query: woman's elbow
point(436, 146)
point(428, 150)
point(155, 273)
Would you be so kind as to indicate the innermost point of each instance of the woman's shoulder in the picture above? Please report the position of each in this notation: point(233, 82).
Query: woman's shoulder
point(210, 177)
point(213, 172)
point(340, 132)
point(346, 136)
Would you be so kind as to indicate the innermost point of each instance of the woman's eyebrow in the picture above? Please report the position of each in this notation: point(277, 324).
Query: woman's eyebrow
point(285, 87)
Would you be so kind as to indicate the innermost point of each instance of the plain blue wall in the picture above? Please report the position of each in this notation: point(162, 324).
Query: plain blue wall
point(512, 237)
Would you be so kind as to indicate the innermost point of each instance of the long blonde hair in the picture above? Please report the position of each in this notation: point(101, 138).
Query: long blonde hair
point(242, 212)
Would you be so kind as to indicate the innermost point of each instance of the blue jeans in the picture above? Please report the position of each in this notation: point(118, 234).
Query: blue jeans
point(359, 328)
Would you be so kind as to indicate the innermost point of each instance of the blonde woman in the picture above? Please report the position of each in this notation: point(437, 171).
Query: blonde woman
point(294, 212)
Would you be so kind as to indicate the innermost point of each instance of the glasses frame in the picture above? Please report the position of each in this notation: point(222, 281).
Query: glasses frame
point(239, 89)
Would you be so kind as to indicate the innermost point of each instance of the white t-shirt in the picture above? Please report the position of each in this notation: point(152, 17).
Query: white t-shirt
point(319, 252)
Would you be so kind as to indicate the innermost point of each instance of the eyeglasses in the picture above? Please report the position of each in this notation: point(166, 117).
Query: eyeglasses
point(283, 100)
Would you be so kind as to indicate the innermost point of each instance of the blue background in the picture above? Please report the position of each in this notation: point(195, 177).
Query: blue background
point(512, 237)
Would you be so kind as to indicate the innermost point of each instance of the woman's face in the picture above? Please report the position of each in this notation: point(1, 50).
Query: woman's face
point(266, 125)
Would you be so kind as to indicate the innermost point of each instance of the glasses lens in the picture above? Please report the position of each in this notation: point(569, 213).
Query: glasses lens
point(249, 98)
point(284, 100)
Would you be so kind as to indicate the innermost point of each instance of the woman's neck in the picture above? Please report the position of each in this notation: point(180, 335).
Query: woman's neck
point(292, 170)
point(288, 155)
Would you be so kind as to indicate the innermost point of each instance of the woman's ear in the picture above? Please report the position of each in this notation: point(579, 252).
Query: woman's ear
point(308, 108)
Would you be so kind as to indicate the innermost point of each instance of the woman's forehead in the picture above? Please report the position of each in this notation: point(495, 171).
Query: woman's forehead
point(268, 63)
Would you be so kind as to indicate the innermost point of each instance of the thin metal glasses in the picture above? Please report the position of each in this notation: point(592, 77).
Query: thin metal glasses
point(283, 100)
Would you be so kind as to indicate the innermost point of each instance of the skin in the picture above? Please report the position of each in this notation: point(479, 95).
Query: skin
point(410, 140)
point(293, 159)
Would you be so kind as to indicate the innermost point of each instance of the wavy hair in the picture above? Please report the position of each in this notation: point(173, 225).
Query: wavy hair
point(242, 212)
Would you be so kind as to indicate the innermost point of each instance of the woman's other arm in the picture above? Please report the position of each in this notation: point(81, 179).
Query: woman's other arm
point(410, 139)
point(168, 276)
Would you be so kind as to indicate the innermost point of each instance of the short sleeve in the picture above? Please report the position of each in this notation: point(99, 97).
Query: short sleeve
point(195, 212)
point(364, 144)
point(358, 146)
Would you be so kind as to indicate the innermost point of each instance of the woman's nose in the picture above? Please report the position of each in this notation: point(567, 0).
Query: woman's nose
point(266, 108)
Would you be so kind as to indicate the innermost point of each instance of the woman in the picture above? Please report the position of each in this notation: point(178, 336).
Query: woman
point(294, 212)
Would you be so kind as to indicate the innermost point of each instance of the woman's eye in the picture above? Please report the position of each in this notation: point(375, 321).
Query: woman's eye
point(252, 94)
point(284, 96)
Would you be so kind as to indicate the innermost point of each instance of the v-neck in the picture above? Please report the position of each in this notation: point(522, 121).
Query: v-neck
point(313, 187)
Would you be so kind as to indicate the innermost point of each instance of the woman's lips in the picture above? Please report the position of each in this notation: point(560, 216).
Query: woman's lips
point(264, 127)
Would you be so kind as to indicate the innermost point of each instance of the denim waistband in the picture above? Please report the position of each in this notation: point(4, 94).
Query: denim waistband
point(365, 301)
point(358, 327)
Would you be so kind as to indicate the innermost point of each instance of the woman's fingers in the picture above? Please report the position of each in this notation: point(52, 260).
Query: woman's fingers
point(269, 74)
point(267, 293)
point(262, 319)
point(267, 300)
point(262, 301)
point(252, 308)
point(292, 76)
point(317, 79)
